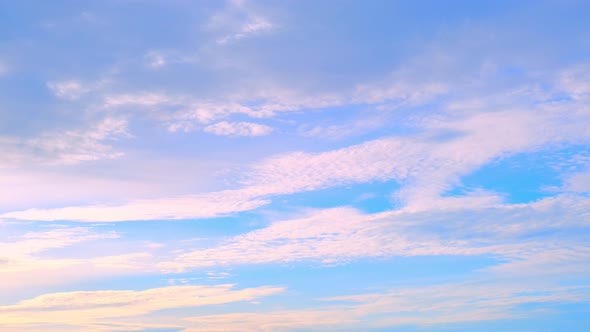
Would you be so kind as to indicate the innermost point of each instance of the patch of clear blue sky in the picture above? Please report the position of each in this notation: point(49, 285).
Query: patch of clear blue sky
point(368, 197)
point(561, 317)
point(361, 276)
point(524, 177)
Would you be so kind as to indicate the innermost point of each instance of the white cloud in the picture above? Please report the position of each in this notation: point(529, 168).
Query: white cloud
point(34, 242)
point(70, 89)
point(33, 253)
point(225, 128)
point(578, 182)
point(161, 58)
point(432, 160)
point(187, 113)
point(310, 320)
point(414, 306)
point(255, 25)
point(359, 126)
point(141, 99)
point(237, 21)
point(426, 165)
point(193, 206)
point(575, 81)
point(93, 309)
point(74, 146)
point(67, 147)
point(338, 235)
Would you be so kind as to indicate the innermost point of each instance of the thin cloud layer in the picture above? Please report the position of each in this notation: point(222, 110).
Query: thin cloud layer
point(360, 166)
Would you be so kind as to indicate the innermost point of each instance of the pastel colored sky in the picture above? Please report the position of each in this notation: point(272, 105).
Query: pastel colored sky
point(171, 165)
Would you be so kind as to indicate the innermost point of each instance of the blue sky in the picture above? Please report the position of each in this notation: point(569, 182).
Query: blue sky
point(294, 166)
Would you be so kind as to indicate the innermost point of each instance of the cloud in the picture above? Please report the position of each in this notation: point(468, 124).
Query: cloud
point(430, 162)
point(237, 21)
point(235, 129)
point(255, 25)
point(157, 59)
point(34, 242)
point(411, 306)
point(361, 125)
point(142, 99)
point(426, 164)
point(65, 147)
point(574, 81)
point(70, 90)
point(18, 272)
point(55, 254)
point(342, 234)
point(182, 112)
point(191, 206)
point(272, 321)
point(577, 181)
point(98, 310)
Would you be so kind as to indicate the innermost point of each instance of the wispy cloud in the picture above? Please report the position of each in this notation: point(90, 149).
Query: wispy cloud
point(235, 129)
point(157, 59)
point(193, 206)
point(419, 306)
point(30, 254)
point(71, 90)
point(65, 147)
point(238, 21)
point(99, 310)
point(359, 166)
point(339, 235)
point(427, 164)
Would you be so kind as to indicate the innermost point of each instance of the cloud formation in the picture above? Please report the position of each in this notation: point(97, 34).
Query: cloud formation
point(236, 129)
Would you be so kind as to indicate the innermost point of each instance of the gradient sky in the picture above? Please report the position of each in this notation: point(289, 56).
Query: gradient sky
point(171, 165)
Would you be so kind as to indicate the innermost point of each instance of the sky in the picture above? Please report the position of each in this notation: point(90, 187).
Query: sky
point(409, 166)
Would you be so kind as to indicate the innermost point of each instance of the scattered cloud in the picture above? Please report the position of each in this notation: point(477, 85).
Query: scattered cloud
point(237, 21)
point(416, 306)
point(70, 90)
point(34, 242)
point(578, 182)
point(33, 253)
point(427, 164)
point(236, 129)
point(255, 25)
point(65, 147)
point(343, 234)
point(102, 310)
point(431, 128)
point(161, 58)
point(193, 206)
